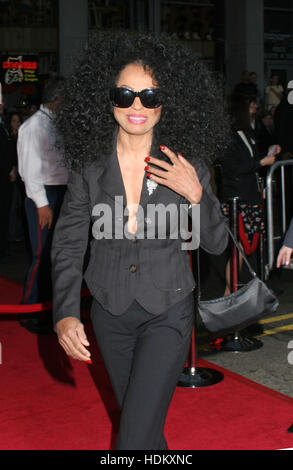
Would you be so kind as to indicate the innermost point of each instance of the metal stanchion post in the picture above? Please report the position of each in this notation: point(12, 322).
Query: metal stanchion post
point(261, 235)
point(192, 375)
point(237, 343)
point(261, 257)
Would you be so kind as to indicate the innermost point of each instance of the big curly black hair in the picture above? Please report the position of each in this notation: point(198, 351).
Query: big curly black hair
point(193, 121)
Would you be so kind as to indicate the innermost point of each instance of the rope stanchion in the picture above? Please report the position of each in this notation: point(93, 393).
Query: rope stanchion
point(238, 343)
point(194, 376)
point(32, 308)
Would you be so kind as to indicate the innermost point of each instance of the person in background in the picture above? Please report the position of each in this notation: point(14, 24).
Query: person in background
point(283, 123)
point(286, 250)
point(246, 88)
point(32, 109)
point(273, 93)
point(266, 132)
point(16, 224)
point(253, 114)
point(256, 93)
point(14, 123)
point(8, 160)
point(240, 164)
point(40, 165)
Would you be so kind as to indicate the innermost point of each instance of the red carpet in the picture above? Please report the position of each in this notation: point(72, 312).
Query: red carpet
point(50, 402)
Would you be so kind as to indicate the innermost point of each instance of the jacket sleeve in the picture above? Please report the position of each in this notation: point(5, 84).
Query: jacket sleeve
point(213, 233)
point(70, 241)
point(237, 161)
point(31, 142)
point(288, 241)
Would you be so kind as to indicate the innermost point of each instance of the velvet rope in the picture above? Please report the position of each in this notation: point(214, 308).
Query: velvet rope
point(32, 308)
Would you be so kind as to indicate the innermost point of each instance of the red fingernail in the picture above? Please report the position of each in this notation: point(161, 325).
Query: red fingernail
point(147, 168)
point(162, 147)
point(179, 154)
point(89, 362)
point(148, 159)
point(148, 175)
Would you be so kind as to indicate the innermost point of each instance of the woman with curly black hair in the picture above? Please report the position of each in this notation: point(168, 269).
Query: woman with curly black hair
point(134, 107)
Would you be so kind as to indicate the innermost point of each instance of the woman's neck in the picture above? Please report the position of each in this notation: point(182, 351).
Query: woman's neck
point(133, 146)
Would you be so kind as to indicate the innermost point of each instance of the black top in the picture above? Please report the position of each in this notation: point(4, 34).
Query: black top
point(265, 138)
point(239, 171)
point(283, 118)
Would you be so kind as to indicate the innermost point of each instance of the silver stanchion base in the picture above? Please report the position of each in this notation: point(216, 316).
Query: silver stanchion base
point(195, 377)
point(239, 344)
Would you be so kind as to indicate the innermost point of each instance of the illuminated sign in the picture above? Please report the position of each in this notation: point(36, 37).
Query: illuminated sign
point(19, 65)
point(20, 70)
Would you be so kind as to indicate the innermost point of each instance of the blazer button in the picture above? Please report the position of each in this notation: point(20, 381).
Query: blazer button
point(132, 268)
point(134, 240)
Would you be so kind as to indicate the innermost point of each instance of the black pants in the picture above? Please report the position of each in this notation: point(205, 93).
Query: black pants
point(38, 282)
point(144, 355)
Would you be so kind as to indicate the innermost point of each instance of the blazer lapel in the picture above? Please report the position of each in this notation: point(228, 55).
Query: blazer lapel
point(111, 179)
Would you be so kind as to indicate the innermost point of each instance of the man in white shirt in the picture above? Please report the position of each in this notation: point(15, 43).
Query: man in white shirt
point(45, 177)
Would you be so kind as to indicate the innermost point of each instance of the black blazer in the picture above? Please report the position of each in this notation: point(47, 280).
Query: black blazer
point(239, 171)
point(154, 271)
point(288, 240)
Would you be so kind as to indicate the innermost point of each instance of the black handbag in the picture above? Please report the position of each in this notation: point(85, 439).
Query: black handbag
point(240, 309)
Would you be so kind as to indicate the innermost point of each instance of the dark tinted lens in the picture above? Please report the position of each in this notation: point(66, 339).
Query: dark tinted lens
point(150, 98)
point(122, 97)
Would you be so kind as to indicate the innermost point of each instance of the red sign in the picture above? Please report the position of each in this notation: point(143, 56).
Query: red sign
point(20, 65)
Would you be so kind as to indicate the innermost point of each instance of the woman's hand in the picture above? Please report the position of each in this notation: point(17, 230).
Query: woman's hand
point(268, 160)
point(73, 339)
point(181, 177)
point(271, 157)
point(284, 256)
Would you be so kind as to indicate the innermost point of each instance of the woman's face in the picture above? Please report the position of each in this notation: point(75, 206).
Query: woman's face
point(268, 121)
point(15, 122)
point(275, 80)
point(253, 108)
point(136, 120)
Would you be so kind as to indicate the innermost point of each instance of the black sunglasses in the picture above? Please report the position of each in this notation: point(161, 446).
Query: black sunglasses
point(124, 98)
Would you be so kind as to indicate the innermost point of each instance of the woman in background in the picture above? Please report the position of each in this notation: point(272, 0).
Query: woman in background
point(240, 164)
point(274, 93)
